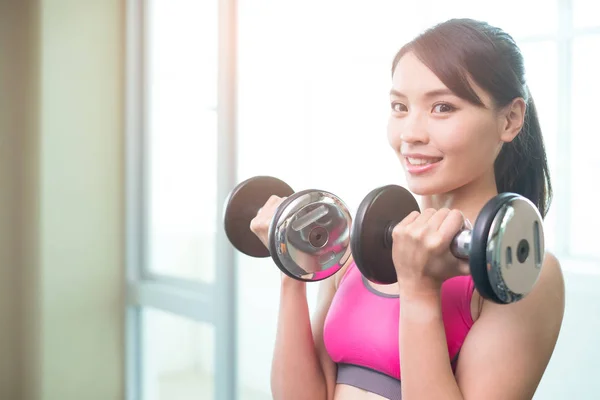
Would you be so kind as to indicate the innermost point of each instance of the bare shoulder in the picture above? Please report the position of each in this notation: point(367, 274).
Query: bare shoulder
point(550, 287)
point(552, 271)
point(514, 343)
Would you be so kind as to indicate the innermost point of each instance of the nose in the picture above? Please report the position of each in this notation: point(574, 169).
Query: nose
point(414, 129)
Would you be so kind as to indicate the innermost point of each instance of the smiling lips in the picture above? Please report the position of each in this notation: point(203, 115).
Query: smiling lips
point(420, 163)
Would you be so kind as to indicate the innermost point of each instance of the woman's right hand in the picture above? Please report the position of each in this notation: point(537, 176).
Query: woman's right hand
point(261, 222)
point(260, 225)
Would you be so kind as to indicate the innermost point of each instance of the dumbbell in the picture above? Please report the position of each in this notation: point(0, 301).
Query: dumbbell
point(309, 235)
point(505, 247)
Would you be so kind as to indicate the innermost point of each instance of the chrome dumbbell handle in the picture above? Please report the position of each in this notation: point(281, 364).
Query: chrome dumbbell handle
point(460, 246)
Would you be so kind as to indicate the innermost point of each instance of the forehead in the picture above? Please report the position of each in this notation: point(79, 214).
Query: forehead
point(413, 78)
point(411, 75)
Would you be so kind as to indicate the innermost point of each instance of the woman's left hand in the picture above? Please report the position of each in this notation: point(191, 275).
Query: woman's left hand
point(421, 250)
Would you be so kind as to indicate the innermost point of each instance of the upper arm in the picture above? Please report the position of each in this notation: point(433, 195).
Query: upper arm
point(325, 296)
point(509, 347)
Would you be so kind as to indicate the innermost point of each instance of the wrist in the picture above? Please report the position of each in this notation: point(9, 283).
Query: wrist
point(291, 284)
point(424, 298)
point(419, 289)
point(422, 305)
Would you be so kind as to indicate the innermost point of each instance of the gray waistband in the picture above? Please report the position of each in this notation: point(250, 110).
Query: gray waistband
point(369, 380)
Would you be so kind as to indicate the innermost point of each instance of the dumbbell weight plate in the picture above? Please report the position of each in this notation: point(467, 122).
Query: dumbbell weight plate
point(242, 205)
point(505, 251)
point(309, 236)
point(507, 248)
point(379, 211)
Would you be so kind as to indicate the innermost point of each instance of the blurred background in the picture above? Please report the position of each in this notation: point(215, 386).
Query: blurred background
point(124, 125)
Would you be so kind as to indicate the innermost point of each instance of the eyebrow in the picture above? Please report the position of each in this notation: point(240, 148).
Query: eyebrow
point(431, 93)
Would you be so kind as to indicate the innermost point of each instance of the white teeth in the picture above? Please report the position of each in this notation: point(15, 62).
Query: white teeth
point(420, 161)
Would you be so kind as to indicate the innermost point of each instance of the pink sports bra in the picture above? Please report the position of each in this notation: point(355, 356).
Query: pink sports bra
point(361, 331)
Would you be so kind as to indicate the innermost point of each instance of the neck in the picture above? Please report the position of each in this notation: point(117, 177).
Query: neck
point(469, 199)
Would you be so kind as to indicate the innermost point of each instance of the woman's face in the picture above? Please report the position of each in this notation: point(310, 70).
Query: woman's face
point(443, 142)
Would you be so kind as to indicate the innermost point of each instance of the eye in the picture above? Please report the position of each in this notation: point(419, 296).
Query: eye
point(443, 108)
point(398, 107)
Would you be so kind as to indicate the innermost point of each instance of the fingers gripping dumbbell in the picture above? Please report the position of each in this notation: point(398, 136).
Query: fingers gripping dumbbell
point(505, 247)
point(309, 233)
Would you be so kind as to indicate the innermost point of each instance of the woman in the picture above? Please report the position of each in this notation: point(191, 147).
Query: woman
point(465, 128)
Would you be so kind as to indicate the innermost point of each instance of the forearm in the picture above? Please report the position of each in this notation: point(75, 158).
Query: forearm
point(425, 364)
point(296, 372)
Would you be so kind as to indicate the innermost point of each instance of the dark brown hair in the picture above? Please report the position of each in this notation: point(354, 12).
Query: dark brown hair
point(459, 49)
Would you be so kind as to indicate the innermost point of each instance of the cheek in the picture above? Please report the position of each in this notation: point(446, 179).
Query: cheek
point(467, 140)
point(393, 134)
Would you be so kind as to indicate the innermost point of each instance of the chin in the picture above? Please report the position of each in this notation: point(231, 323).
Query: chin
point(427, 186)
point(423, 190)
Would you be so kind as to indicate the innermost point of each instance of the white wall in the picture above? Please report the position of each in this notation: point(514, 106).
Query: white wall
point(81, 199)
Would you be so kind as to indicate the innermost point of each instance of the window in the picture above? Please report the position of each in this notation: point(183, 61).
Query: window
point(180, 315)
point(178, 357)
point(585, 14)
point(585, 139)
point(180, 67)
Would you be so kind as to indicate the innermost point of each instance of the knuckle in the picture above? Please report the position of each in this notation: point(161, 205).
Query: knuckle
point(398, 232)
point(273, 199)
point(433, 242)
point(253, 226)
point(412, 216)
point(456, 214)
point(255, 223)
point(418, 234)
point(258, 225)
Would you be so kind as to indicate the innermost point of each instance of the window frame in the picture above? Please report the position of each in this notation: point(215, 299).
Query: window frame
point(212, 303)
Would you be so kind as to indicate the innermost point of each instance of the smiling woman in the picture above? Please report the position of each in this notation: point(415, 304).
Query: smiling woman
point(464, 131)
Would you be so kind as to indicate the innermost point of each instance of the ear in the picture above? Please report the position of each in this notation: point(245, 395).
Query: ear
point(512, 119)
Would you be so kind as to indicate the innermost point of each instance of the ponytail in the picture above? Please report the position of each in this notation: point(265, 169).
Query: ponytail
point(522, 165)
